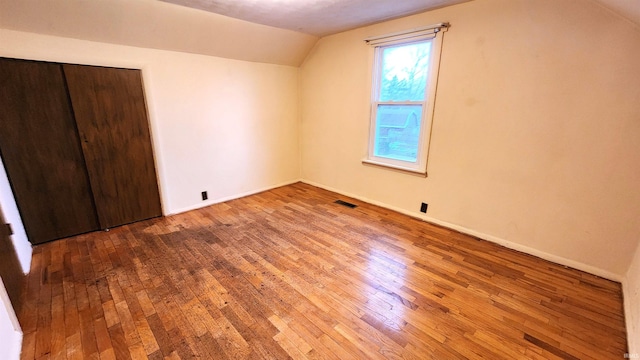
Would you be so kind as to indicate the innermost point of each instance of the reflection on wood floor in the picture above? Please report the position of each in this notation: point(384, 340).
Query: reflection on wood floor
point(290, 274)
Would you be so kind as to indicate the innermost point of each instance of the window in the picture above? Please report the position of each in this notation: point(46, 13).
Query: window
point(402, 100)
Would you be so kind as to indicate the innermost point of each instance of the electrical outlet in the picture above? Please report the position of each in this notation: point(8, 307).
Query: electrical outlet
point(204, 196)
point(423, 207)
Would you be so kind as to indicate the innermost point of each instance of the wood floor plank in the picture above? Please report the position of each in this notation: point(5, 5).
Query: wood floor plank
point(289, 274)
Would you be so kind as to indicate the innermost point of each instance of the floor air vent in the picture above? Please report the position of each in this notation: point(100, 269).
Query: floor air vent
point(344, 203)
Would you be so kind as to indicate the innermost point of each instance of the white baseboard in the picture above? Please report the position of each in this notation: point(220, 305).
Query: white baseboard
point(232, 197)
point(506, 243)
point(631, 297)
point(633, 335)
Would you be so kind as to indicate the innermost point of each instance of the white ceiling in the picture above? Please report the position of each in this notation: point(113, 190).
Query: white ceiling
point(325, 17)
point(316, 17)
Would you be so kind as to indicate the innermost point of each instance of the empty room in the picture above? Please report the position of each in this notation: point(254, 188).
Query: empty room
point(319, 179)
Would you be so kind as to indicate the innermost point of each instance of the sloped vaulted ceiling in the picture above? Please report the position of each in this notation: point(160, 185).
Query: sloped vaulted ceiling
point(629, 9)
point(158, 25)
point(291, 29)
point(316, 17)
point(280, 33)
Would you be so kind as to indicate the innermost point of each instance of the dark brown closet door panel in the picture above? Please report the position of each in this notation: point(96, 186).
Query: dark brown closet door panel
point(112, 121)
point(41, 151)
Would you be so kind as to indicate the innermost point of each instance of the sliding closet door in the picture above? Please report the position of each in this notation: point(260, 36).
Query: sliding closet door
point(111, 115)
point(41, 151)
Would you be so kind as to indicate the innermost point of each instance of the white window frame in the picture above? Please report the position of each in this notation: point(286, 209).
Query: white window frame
point(434, 35)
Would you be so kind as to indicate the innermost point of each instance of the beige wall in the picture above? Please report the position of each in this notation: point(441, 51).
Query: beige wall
point(535, 135)
point(226, 126)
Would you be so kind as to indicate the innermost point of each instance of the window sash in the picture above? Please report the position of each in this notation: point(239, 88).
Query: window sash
point(378, 136)
point(375, 139)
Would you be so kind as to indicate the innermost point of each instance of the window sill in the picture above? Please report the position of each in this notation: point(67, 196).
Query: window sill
point(395, 167)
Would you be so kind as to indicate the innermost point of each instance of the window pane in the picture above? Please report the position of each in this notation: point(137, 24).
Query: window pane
point(398, 132)
point(404, 72)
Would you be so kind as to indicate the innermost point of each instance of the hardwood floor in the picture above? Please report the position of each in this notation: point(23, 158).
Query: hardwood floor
point(290, 274)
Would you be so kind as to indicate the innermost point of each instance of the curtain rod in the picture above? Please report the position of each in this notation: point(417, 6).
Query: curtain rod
point(435, 28)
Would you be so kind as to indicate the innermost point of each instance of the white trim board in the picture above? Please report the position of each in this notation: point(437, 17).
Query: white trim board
point(633, 340)
point(631, 300)
point(494, 239)
point(10, 332)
